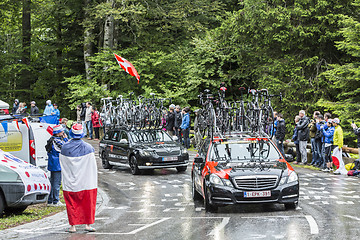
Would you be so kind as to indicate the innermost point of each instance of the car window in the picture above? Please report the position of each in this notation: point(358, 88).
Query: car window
point(116, 136)
point(150, 136)
point(244, 151)
point(124, 135)
point(108, 135)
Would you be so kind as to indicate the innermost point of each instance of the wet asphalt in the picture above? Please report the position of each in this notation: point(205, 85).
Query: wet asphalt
point(158, 205)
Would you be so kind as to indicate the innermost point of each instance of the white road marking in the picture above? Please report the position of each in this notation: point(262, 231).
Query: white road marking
point(325, 202)
point(314, 229)
point(198, 209)
point(174, 210)
point(219, 227)
point(352, 217)
point(344, 202)
point(134, 231)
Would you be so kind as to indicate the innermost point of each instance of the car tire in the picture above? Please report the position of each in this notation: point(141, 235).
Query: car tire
point(2, 204)
point(105, 162)
point(195, 194)
point(181, 169)
point(133, 166)
point(13, 210)
point(207, 205)
point(292, 205)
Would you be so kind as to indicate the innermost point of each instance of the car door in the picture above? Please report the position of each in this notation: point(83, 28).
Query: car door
point(123, 147)
point(198, 167)
point(113, 145)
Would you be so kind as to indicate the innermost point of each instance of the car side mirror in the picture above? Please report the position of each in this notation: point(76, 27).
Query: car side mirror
point(199, 160)
point(124, 141)
point(175, 138)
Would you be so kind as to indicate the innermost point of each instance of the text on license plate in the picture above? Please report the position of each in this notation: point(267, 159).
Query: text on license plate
point(170, 159)
point(257, 194)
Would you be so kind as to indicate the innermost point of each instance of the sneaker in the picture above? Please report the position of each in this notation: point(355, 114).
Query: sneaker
point(326, 170)
point(58, 204)
point(50, 204)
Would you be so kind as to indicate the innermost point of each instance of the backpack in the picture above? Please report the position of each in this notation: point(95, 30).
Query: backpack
point(49, 144)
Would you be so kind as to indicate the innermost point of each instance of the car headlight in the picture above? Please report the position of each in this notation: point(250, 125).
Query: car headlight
point(282, 180)
point(227, 182)
point(293, 177)
point(215, 179)
point(144, 153)
point(184, 150)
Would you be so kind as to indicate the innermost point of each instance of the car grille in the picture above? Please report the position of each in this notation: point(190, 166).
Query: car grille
point(256, 182)
point(167, 153)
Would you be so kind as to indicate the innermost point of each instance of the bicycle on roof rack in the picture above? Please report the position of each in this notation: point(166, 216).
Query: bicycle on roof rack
point(252, 114)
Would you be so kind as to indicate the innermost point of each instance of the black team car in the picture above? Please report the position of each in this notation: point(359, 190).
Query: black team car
point(141, 150)
point(242, 169)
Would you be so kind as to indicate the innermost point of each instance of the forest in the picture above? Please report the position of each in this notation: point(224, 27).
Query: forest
point(63, 50)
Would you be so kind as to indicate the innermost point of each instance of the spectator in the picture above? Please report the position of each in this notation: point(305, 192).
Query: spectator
point(48, 108)
point(357, 132)
point(88, 120)
point(15, 106)
point(328, 132)
point(312, 134)
point(79, 178)
point(82, 116)
point(63, 123)
point(185, 127)
point(170, 120)
point(273, 128)
point(327, 116)
point(320, 141)
point(303, 135)
point(177, 122)
point(95, 119)
point(280, 133)
point(57, 140)
point(78, 113)
point(296, 140)
point(338, 144)
point(22, 109)
point(56, 112)
point(34, 110)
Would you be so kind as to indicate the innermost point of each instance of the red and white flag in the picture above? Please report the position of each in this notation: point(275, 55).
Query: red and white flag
point(79, 181)
point(16, 123)
point(127, 66)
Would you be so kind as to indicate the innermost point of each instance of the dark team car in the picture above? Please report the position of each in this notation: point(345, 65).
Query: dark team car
point(142, 149)
point(242, 169)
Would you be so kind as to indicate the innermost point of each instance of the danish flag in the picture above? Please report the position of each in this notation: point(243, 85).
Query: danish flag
point(127, 66)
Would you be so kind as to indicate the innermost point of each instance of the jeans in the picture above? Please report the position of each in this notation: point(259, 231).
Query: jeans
point(89, 128)
point(186, 133)
point(55, 180)
point(313, 151)
point(302, 148)
point(319, 156)
point(280, 146)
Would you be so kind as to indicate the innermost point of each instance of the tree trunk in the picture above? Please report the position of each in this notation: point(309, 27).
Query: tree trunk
point(26, 45)
point(87, 43)
point(109, 29)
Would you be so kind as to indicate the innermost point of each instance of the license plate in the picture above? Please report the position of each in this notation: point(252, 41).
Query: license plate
point(165, 159)
point(257, 194)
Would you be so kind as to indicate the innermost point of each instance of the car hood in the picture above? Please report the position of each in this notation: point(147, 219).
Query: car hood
point(230, 170)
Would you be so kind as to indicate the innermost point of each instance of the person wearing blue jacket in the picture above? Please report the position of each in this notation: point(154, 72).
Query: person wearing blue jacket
point(296, 141)
point(185, 127)
point(58, 139)
point(328, 133)
point(56, 112)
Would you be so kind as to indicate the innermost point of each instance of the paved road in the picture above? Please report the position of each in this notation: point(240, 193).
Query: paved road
point(158, 205)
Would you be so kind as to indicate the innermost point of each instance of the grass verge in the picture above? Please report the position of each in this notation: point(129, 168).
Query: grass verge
point(32, 213)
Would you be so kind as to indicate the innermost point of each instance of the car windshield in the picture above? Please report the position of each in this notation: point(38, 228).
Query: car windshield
point(254, 150)
point(150, 136)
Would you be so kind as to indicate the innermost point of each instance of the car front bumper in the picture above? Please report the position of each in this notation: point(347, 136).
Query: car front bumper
point(223, 195)
point(161, 162)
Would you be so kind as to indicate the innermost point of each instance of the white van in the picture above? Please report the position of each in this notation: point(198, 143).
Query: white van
point(26, 143)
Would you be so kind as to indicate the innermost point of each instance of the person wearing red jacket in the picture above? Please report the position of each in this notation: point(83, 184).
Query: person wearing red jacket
point(95, 119)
